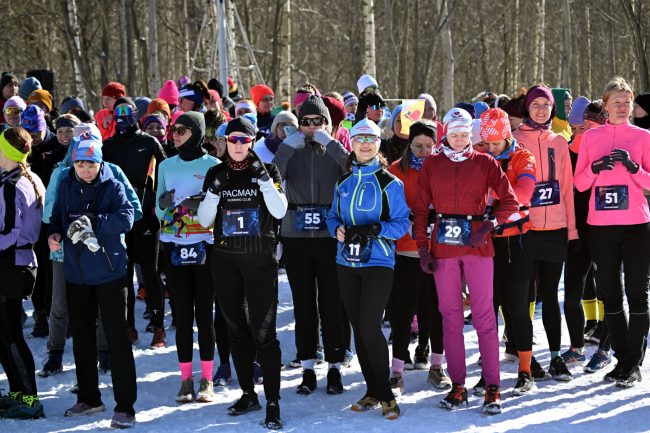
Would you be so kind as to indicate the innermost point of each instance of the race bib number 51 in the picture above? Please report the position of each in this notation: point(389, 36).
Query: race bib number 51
point(612, 197)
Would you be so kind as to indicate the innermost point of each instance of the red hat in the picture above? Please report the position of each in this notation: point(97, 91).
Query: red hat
point(260, 91)
point(336, 109)
point(215, 95)
point(495, 125)
point(114, 90)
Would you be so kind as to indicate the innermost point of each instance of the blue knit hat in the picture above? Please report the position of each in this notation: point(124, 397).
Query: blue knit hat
point(578, 110)
point(480, 107)
point(70, 103)
point(142, 103)
point(397, 111)
point(28, 86)
point(87, 143)
point(33, 119)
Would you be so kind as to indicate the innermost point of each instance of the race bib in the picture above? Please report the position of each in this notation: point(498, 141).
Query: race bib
point(310, 218)
point(454, 231)
point(240, 222)
point(546, 194)
point(613, 197)
point(357, 253)
point(184, 255)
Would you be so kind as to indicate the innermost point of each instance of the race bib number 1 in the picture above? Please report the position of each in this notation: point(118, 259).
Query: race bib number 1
point(240, 222)
point(614, 197)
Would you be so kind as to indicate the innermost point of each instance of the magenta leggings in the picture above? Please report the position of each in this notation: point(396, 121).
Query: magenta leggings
point(478, 272)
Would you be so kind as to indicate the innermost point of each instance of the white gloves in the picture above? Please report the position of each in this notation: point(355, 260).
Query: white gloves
point(82, 230)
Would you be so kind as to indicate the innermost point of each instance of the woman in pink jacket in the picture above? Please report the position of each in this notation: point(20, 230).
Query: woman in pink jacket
point(552, 215)
point(614, 163)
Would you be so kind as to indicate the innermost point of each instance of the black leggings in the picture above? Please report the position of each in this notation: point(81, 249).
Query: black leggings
point(413, 288)
point(614, 248)
point(578, 281)
point(221, 332)
point(143, 247)
point(548, 250)
point(364, 292)
point(15, 356)
point(311, 270)
point(247, 289)
point(42, 294)
point(513, 268)
point(192, 294)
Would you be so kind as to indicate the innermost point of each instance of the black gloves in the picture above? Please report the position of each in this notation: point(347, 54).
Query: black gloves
point(218, 179)
point(362, 233)
point(623, 156)
point(258, 167)
point(604, 163)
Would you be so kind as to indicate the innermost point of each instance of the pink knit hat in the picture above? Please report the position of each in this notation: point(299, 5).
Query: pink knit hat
point(169, 92)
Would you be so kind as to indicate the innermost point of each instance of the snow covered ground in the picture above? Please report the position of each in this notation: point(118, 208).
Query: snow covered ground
point(587, 404)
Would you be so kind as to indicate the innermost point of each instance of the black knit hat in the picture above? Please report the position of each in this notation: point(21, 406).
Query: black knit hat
point(241, 124)
point(595, 112)
point(314, 105)
point(193, 120)
point(126, 100)
point(642, 100)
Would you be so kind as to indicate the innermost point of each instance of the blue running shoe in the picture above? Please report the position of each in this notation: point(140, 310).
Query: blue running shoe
point(223, 375)
point(572, 356)
point(598, 361)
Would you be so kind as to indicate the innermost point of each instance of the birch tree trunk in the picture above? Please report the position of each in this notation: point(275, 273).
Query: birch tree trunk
point(285, 51)
point(369, 64)
point(516, 81)
point(541, 28)
point(633, 17)
point(565, 76)
point(80, 74)
point(447, 59)
point(154, 73)
point(588, 65)
point(124, 50)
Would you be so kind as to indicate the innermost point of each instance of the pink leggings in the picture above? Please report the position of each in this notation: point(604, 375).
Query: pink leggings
point(478, 272)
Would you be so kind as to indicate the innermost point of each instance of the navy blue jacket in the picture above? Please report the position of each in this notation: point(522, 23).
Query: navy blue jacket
point(367, 195)
point(111, 213)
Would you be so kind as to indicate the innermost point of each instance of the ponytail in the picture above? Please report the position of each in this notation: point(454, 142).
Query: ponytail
point(25, 172)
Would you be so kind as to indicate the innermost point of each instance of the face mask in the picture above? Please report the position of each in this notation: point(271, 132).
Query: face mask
point(123, 123)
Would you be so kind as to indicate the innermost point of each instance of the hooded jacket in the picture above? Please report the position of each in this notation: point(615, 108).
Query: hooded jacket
point(553, 162)
point(111, 214)
point(310, 174)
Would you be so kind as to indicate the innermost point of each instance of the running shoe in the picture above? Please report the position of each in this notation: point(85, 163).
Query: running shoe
point(559, 371)
point(525, 384)
point(599, 360)
point(456, 397)
point(390, 409)
point(308, 384)
point(248, 402)
point(334, 384)
point(223, 376)
point(572, 357)
point(438, 378)
point(397, 384)
point(273, 420)
point(492, 401)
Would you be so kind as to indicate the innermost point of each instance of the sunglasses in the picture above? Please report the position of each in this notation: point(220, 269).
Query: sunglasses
point(376, 106)
point(268, 99)
point(125, 110)
point(179, 129)
point(364, 139)
point(240, 139)
point(13, 110)
point(318, 121)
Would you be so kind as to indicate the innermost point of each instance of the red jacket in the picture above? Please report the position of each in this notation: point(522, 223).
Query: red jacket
point(410, 181)
point(460, 188)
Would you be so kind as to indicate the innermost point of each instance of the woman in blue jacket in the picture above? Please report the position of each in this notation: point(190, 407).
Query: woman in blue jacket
point(368, 214)
point(91, 214)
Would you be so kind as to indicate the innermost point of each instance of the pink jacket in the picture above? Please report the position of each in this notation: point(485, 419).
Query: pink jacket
point(599, 142)
point(551, 152)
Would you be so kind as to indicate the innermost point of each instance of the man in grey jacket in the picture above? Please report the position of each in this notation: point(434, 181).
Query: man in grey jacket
point(311, 161)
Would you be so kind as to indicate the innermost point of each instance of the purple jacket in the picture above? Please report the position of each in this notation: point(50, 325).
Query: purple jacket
point(20, 217)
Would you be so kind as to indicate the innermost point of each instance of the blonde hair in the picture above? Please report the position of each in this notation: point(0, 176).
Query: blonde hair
point(20, 139)
point(617, 84)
